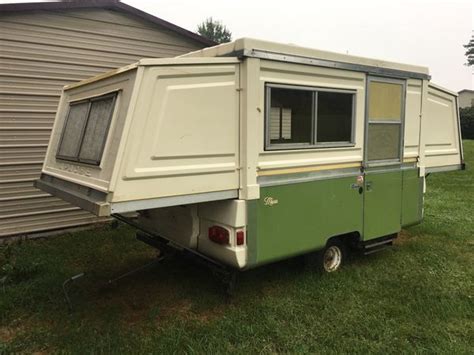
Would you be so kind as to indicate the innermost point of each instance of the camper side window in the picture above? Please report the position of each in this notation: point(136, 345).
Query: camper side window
point(85, 129)
point(301, 117)
point(290, 117)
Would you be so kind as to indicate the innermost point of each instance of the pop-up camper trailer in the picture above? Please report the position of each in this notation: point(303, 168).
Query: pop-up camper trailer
point(252, 152)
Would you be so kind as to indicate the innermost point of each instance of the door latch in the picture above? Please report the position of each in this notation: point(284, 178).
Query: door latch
point(359, 185)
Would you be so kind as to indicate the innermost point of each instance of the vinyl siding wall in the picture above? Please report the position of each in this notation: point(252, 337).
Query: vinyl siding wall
point(40, 52)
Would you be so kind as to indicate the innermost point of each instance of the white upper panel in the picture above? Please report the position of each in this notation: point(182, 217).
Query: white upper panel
point(183, 132)
point(440, 129)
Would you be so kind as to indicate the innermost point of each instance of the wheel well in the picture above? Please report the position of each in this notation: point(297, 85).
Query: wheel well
point(350, 239)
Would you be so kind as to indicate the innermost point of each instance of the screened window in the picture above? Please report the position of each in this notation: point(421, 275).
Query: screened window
point(385, 111)
point(298, 117)
point(85, 131)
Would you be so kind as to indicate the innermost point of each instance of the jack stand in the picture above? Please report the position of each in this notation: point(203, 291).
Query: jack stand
point(227, 278)
point(226, 275)
point(230, 283)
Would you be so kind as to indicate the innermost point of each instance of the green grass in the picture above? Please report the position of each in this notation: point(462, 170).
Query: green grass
point(416, 297)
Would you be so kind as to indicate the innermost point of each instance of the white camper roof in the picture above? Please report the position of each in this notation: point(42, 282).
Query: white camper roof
point(250, 47)
point(256, 48)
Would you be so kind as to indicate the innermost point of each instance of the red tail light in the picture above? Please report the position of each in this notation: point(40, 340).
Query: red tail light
point(219, 235)
point(240, 237)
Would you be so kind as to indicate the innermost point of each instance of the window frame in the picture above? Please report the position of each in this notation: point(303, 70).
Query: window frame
point(401, 123)
point(89, 100)
point(314, 118)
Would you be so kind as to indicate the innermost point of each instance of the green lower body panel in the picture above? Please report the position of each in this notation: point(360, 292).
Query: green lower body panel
point(382, 204)
point(297, 218)
point(412, 198)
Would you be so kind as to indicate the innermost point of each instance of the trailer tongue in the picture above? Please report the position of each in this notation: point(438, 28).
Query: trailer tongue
point(252, 151)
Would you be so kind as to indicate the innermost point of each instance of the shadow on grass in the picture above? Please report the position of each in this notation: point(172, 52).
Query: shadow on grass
point(173, 288)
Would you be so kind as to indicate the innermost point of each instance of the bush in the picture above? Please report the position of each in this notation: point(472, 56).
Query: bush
point(467, 122)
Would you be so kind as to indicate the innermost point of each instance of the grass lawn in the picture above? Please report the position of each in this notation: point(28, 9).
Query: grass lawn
point(415, 297)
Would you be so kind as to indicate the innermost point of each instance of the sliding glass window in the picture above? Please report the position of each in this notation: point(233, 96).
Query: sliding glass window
point(302, 117)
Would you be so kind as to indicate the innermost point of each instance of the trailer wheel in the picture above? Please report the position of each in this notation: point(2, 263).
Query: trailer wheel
point(331, 257)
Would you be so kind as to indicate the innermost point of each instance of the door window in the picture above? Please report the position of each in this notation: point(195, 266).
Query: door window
point(386, 100)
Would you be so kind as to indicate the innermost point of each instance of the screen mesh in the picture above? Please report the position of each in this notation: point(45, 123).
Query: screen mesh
point(384, 141)
point(72, 133)
point(96, 130)
point(85, 132)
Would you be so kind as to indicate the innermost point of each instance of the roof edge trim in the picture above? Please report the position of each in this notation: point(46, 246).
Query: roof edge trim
point(290, 58)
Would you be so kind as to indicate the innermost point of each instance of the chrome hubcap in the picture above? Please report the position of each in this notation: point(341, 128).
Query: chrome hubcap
point(332, 258)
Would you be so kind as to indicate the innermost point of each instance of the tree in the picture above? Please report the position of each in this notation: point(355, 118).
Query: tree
point(470, 52)
point(214, 30)
point(467, 122)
